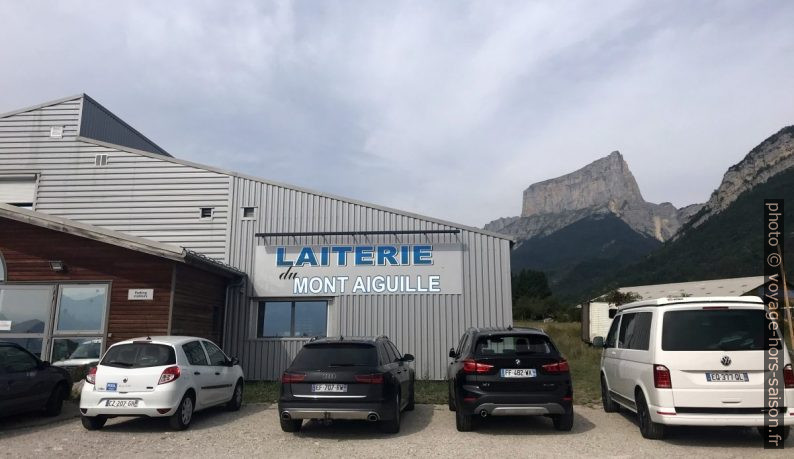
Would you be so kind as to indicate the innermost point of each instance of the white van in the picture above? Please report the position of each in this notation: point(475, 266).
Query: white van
point(690, 361)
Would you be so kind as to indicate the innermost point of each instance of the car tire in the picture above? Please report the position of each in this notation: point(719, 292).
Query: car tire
point(93, 422)
point(610, 406)
point(649, 429)
point(411, 398)
point(291, 425)
point(786, 432)
point(55, 402)
point(392, 426)
point(183, 415)
point(464, 422)
point(563, 422)
point(237, 398)
point(450, 400)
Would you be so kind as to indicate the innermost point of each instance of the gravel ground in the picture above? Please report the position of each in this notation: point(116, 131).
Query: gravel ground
point(428, 431)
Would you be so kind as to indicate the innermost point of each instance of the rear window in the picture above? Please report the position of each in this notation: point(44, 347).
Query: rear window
point(139, 355)
point(714, 330)
point(336, 355)
point(502, 345)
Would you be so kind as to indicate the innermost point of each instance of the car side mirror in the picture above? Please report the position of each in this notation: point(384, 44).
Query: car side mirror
point(452, 353)
point(233, 361)
point(598, 341)
point(408, 358)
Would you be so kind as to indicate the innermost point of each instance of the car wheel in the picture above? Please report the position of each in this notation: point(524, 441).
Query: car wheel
point(93, 422)
point(393, 425)
point(610, 406)
point(411, 398)
point(237, 398)
point(464, 422)
point(786, 432)
point(649, 429)
point(55, 402)
point(563, 422)
point(180, 420)
point(450, 400)
point(291, 425)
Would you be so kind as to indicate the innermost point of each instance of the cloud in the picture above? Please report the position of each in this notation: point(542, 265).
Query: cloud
point(444, 108)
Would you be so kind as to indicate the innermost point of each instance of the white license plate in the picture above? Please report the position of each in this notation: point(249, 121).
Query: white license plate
point(726, 377)
point(122, 403)
point(329, 387)
point(519, 372)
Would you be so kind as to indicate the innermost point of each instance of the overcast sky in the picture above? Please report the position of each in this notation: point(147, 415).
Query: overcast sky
point(445, 108)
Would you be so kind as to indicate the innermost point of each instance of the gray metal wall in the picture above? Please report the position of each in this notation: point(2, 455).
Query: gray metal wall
point(423, 325)
point(140, 195)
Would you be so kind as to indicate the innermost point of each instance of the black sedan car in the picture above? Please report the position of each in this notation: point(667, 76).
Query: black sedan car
point(28, 384)
point(347, 378)
point(510, 371)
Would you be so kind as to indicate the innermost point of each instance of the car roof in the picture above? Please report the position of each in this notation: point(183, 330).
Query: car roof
point(507, 330)
point(170, 340)
point(347, 339)
point(694, 300)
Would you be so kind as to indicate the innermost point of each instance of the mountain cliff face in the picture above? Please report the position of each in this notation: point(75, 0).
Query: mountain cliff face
point(773, 156)
point(603, 186)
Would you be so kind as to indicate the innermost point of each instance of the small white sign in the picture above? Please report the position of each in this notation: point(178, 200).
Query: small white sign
point(56, 132)
point(140, 294)
point(5, 325)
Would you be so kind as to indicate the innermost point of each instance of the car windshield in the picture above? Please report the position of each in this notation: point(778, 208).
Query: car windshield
point(502, 345)
point(714, 330)
point(336, 355)
point(139, 355)
point(87, 350)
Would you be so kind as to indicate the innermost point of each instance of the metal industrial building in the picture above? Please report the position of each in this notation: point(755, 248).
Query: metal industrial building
point(314, 263)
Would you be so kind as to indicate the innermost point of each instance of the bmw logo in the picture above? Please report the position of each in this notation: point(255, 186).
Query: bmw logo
point(518, 362)
point(725, 361)
point(124, 380)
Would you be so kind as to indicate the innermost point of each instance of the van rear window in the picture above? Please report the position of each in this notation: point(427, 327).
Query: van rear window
point(505, 345)
point(139, 355)
point(317, 356)
point(714, 330)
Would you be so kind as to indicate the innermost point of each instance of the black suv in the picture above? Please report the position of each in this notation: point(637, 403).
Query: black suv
point(347, 378)
point(508, 371)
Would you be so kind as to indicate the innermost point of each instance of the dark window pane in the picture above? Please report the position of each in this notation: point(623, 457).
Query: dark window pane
point(139, 355)
point(82, 308)
point(504, 345)
point(336, 355)
point(394, 349)
point(195, 353)
point(65, 349)
point(33, 345)
point(217, 357)
point(15, 360)
point(714, 330)
point(389, 353)
point(640, 331)
point(612, 336)
point(311, 318)
point(626, 328)
point(275, 319)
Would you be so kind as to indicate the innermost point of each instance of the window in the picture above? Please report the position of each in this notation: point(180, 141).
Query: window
point(509, 345)
point(639, 332)
point(18, 190)
point(206, 213)
point(714, 330)
point(249, 213)
point(76, 349)
point(195, 353)
point(24, 309)
point(81, 308)
point(101, 160)
point(284, 319)
point(394, 349)
point(14, 360)
point(314, 356)
point(625, 334)
point(217, 357)
point(2, 269)
point(140, 355)
point(612, 336)
point(390, 357)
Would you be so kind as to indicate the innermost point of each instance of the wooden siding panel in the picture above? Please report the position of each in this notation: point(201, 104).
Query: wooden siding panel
point(199, 304)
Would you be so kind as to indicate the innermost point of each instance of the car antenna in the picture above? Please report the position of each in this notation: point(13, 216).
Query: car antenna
point(341, 338)
point(510, 327)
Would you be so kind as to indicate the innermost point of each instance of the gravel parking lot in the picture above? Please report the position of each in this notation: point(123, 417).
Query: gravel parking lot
point(428, 431)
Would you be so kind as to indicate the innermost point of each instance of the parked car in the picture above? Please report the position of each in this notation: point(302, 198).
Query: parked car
point(29, 384)
point(86, 353)
point(509, 371)
point(347, 378)
point(161, 376)
point(689, 361)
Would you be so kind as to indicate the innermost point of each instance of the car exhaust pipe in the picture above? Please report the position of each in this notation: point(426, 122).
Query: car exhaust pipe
point(372, 417)
point(286, 416)
point(483, 413)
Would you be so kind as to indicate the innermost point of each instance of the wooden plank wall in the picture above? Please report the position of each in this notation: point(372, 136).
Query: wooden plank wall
point(199, 300)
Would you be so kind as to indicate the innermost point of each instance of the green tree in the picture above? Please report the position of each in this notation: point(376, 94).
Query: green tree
point(530, 284)
point(618, 298)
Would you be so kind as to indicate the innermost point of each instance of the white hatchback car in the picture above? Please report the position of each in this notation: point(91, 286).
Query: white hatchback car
point(691, 361)
point(161, 376)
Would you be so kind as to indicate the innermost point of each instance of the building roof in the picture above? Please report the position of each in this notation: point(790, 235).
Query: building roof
point(126, 138)
point(117, 238)
point(718, 287)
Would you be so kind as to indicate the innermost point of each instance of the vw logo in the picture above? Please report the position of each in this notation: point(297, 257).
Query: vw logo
point(124, 380)
point(725, 361)
point(518, 362)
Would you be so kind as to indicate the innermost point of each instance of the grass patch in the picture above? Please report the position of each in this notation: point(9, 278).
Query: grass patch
point(261, 392)
point(431, 392)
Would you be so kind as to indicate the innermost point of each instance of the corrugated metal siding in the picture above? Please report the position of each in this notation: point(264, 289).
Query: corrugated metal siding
point(140, 195)
point(98, 123)
point(424, 325)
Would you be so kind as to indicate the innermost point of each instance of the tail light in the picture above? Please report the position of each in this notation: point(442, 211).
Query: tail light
point(661, 377)
point(90, 378)
point(288, 378)
point(556, 367)
point(473, 366)
point(788, 377)
point(169, 374)
point(374, 378)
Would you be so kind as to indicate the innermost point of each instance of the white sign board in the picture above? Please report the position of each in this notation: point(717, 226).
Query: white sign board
point(375, 269)
point(5, 325)
point(140, 294)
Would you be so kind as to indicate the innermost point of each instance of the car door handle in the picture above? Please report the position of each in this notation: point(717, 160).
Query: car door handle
point(217, 373)
point(196, 373)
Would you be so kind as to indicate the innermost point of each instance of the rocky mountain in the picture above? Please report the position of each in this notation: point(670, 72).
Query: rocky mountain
point(771, 157)
point(603, 186)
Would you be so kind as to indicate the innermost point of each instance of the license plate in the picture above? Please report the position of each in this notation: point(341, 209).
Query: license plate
point(519, 372)
point(122, 403)
point(329, 387)
point(727, 377)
